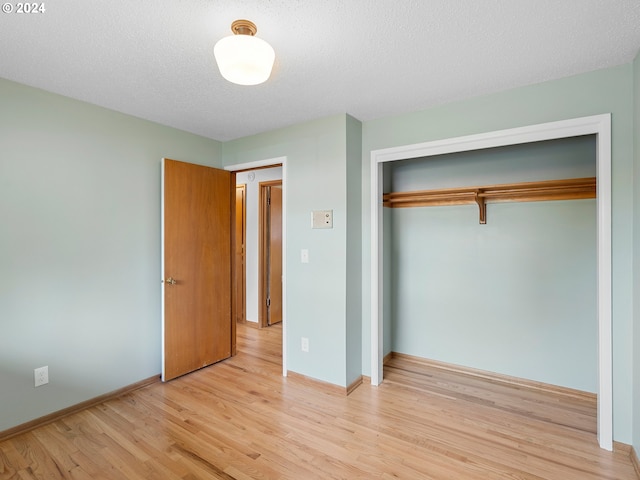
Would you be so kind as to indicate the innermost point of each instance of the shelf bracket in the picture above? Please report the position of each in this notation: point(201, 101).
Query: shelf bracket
point(482, 206)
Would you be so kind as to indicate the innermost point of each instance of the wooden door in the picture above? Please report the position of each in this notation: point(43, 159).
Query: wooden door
point(197, 307)
point(275, 255)
point(240, 266)
point(270, 254)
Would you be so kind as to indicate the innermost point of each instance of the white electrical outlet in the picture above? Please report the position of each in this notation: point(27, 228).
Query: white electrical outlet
point(41, 376)
point(304, 255)
point(304, 345)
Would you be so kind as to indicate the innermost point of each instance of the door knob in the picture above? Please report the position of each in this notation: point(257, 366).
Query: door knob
point(171, 281)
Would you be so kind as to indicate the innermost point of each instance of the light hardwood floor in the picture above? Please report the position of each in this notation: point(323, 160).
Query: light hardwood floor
point(240, 419)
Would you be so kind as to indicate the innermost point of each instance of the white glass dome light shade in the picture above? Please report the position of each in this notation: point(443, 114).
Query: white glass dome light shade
point(244, 59)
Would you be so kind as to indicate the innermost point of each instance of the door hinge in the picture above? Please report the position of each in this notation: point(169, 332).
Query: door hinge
point(268, 301)
point(269, 201)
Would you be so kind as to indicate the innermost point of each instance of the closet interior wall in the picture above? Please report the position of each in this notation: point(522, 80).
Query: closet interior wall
point(516, 296)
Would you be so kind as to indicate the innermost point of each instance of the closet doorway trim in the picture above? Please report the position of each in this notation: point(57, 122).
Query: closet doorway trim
point(600, 125)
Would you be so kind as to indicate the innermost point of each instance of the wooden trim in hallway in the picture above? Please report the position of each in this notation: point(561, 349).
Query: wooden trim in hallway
point(267, 212)
point(263, 167)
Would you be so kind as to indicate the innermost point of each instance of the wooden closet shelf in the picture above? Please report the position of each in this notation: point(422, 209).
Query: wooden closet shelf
point(568, 189)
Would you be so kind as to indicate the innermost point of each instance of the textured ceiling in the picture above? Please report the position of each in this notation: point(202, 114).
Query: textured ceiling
point(369, 58)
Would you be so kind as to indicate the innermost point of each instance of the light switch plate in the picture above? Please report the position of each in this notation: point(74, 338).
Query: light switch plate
point(322, 219)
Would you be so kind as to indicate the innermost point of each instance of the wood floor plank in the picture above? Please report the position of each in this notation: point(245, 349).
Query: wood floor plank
point(241, 419)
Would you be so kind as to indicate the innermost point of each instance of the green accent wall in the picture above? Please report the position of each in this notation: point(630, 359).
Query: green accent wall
point(79, 248)
point(603, 91)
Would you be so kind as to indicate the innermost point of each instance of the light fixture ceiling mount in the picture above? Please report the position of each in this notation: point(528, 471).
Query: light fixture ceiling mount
point(243, 58)
point(244, 27)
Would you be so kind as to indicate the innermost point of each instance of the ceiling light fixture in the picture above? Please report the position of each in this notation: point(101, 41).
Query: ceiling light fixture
point(242, 57)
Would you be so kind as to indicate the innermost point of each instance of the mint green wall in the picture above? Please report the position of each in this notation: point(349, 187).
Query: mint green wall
point(80, 248)
point(318, 176)
point(636, 260)
point(516, 296)
point(563, 158)
point(592, 93)
point(354, 241)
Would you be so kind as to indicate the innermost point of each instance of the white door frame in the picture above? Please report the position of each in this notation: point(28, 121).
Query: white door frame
point(600, 125)
point(263, 164)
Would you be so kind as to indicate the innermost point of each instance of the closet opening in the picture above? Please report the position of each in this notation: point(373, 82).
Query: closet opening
point(515, 242)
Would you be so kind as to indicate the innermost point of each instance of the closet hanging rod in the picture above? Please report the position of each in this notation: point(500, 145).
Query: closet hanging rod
point(565, 189)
